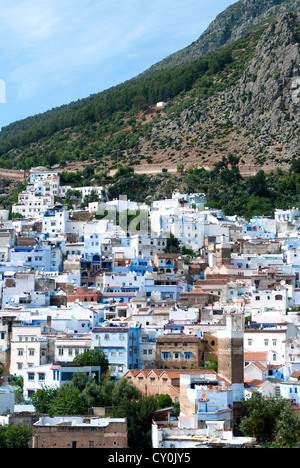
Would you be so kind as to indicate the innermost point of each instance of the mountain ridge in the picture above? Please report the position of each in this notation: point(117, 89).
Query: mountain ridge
point(209, 95)
point(229, 25)
point(260, 112)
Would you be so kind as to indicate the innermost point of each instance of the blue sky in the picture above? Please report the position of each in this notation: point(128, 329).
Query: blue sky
point(58, 51)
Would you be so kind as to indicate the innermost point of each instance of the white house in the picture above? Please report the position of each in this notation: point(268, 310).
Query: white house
point(28, 348)
point(283, 216)
point(31, 205)
point(270, 340)
point(55, 221)
point(53, 376)
point(264, 387)
point(291, 389)
point(147, 246)
point(269, 301)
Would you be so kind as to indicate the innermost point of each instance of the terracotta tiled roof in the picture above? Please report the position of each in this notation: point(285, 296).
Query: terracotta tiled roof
point(259, 366)
point(254, 383)
point(210, 282)
point(255, 356)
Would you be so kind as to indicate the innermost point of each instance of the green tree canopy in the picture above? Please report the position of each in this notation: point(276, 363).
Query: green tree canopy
point(69, 401)
point(271, 420)
point(42, 399)
point(15, 436)
point(173, 245)
point(93, 357)
point(124, 389)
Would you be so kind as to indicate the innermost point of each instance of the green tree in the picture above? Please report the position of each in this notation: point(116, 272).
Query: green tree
point(288, 429)
point(93, 357)
point(93, 394)
point(42, 399)
point(124, 389)
point(173, 245)
point(139, 414)
point(15, 436)
point(80, 380)
point(266, 419)
point(164, 401)
point(69, 401)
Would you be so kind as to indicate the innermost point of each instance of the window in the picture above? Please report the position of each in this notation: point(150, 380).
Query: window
point(187, 355)
point(266, 342)
point(42, 377)
point(165, 355)
point(176, 355)
point(31, 376)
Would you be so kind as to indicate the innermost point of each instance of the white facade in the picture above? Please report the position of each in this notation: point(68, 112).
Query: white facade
point(148, 246)
point(26, 348)
point(283, 216)
point(67, 347)
point(189, 226)
point(31, 205)
point(213, 434)
point(52, 376)
point(269, 301)
point(55, 222)
point(270, 341)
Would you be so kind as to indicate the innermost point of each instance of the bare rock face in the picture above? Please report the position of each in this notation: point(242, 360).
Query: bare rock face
point(256, 118)
point(230, 25)
point(268, 95)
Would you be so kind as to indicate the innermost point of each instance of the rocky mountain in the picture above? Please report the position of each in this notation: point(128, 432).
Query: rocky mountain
point(235, 91)
point(234, 22)
point(257, 118)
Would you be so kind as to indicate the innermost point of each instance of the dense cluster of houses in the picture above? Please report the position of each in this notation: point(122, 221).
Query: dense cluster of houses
point(108, 276)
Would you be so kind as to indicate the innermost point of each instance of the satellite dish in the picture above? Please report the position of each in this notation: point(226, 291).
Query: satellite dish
point(204, 396)
point(282, 282)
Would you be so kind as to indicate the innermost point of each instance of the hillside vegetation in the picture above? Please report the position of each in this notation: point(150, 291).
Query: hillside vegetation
point(111, 124)
point(230, 126)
